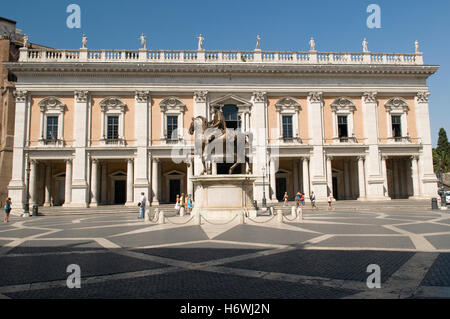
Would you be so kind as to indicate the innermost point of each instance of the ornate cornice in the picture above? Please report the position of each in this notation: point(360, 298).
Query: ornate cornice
point(172, 103)
point(20, 96)
point(288, 103)
point(397, 104)
point(370, 97)
point(422, 97)
point(52, 104)
point(315, 97)
point(142, 96)
point(343, 103)
point(200, 96)
point(141, 68)
point(112, 103)
point(81, 96)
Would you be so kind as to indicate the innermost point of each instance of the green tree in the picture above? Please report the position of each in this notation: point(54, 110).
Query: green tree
point(442, 152)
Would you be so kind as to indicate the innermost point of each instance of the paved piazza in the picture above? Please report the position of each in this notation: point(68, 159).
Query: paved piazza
point(325, 256)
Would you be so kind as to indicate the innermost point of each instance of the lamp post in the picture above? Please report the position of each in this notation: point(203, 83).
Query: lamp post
point(27, 199)
point(442, 190)
point(264, 201)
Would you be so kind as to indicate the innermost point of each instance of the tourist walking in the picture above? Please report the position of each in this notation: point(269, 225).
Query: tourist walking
point(177, 204)
point(190, 204)
point(302, 200)
point(297, 199)
point(142, 204)
point(312, 197)
point(285, 199)
point(330, 207)
point(7, 210)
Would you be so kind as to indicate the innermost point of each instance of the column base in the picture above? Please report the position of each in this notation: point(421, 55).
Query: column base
point(47, 205)
point(155, 203)
point(93, 205)
point(130, 204)
point(362, 199)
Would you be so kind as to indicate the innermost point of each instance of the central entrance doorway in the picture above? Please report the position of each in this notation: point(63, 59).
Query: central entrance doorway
point(174, 189)
point(120, 192)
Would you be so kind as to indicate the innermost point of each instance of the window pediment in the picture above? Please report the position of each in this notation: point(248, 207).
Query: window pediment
point(288, 103)
point(230, 99)
point(343, 104)
point(172, 104)
point(52, 104)
point(397, 105)
point(112, 104)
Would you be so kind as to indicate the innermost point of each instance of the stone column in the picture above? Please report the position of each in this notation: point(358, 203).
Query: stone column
point(68, 190)
point(104, 184)
point(346, 179)
point(214, 166)
point(427, 179)
point(33, 174)
point(273, 180)
point(130, 179)
point(80, 162)
point(200, 109)
point(395, 178)
point(259, 124)
point(316, 131)
point(48, 183)
point(16, 188)
point(295, 176)
point(142, 131)
point(306, 184)
point(190, 174)
point(374, 170)
point(155, 182)
point(415, 176)
point(361, 179)
point(330, 175)
point(94, 183)
point(385, 177)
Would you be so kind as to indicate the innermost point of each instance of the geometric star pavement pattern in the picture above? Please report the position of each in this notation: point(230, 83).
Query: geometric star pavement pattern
point(325, 256)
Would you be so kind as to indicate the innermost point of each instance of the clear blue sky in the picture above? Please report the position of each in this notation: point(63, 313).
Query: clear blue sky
point(337, 25)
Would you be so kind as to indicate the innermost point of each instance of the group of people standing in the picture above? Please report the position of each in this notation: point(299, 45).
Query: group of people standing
point(300, 200)
point(184, 201)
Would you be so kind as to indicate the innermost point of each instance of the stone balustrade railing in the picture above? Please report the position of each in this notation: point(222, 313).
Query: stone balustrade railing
point(312, 57)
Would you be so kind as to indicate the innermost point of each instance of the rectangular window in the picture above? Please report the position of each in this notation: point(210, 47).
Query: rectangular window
point(113, 128)
point(343, 128)
point(52, 128)
point(397, 127)
point(172, 127)
point(287, 127)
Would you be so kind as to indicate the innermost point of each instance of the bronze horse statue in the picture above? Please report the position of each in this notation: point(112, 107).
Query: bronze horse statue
point(204, 136)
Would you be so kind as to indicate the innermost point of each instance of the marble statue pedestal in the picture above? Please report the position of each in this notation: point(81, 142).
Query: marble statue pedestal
point(222, 197)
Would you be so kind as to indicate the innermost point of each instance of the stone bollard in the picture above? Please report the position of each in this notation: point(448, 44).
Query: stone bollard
point(197, 217)
point(147, 215)
point(161, 219)
point(271, 211)
point(300, 214)
point(280, 216)
point(241, 218)
point(293, 212)
point(182, 211)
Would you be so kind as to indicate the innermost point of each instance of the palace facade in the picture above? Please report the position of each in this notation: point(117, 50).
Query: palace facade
point(98, 127)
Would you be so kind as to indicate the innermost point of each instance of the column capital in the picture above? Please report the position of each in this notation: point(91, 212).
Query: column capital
point(33, 162)
point(315, 97)
point(330, 157)
point(94, 161)
point(384, 157)
point(414, 157)
point(361, 158)
point(142, 96)
point(81, 96)
point(259, 97)
point(130, 160)
point(423, 96)
point(68, 161)
point(156, 160)
point(370, 97)
point(20, 95)
point(201, 96)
